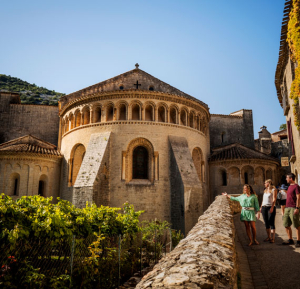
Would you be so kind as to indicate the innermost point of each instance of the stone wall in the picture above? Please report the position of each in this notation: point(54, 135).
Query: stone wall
point(186, 192)
point(29, 170)
point(41, 121)
point(206, 258)
point(236, 127)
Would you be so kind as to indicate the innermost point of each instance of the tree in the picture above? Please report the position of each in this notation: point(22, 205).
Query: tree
point(282, 126)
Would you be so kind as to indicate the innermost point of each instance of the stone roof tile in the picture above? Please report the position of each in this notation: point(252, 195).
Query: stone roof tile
point(238, 152)
point(29, 144)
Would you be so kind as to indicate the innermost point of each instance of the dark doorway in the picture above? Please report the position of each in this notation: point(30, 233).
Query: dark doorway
point(41, 188)
point(140, 163)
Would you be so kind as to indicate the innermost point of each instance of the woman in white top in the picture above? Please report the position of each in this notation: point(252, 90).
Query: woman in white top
point(268, 210)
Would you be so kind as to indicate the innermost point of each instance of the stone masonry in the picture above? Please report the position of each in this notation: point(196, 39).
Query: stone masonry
point(206, 258)
point(89, 171)
point(186, 189)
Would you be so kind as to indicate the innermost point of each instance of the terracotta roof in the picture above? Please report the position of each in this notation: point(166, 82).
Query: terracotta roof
point(283, 49)
point(83, 92)
point(238, 152)
point(30, 144)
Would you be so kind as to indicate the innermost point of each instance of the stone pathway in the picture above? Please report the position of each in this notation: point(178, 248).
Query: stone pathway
point(267, 265)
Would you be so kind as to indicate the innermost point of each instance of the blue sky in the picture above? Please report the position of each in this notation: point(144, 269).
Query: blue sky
point(222, 52)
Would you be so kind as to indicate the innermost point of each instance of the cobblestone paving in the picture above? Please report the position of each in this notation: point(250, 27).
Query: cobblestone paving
point(267, 265)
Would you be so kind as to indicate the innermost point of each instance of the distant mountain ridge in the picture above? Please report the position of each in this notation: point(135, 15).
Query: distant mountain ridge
point(29, 93)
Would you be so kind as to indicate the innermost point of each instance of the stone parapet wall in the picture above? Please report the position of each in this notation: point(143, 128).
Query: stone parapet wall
point(206, 258)
point(235, 206)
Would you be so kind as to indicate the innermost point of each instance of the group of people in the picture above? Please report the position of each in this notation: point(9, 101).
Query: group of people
point(289, 201)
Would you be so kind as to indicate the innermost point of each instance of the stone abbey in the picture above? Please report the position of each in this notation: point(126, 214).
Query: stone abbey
point(133, 138)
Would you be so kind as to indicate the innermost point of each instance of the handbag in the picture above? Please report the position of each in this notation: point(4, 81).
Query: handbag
point(279, 196)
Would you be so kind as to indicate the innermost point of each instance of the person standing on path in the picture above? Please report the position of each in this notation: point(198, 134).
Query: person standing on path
point(249, 202)
point(291, 212)
point(268, 210)
point(282, 200)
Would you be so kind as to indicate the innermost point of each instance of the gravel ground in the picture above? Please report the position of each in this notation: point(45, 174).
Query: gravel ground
point(279, 264)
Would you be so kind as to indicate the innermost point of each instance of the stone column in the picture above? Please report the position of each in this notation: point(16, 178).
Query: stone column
point(123, 165)
point(91, 115)
point(70, 162)
point(156, 172)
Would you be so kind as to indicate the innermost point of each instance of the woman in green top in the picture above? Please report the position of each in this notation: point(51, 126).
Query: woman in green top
point(249, 203)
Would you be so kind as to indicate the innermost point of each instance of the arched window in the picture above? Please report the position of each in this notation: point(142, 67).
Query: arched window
point(269, 174)
point(151, 88)
point(71, 119)
point(224, 178)
point(173, 115)
point(66, 125)
point(183, 117)
point(135, 112)
point(161, 114)
point(110, 113)
point(246, 178)
point(121, 87)
point(86, 116)
point(77, 119)
point(149, 113)
point(222, 137)
point(140, 158)
point(192, 120)
point(97, 114)
point(76, 160)
point(41, 188)
point(15, 184)
point(122, 112)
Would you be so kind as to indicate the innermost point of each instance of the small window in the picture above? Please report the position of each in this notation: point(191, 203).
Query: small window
point(41, 188)
point(140, 163)
point(246, 178)
point(121, 87)
point(16, 187)
point(224, 178)
point(151, 88)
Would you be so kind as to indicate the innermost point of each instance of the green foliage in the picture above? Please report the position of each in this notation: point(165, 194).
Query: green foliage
point(36, 216)
point(29, 93)
point(282, 126)
point(293, 39)
point(33, 232)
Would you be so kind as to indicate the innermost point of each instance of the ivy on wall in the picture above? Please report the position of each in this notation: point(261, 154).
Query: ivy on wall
point(293, 39)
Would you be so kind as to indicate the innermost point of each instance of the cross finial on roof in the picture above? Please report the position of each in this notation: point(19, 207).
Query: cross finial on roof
point(137, 66)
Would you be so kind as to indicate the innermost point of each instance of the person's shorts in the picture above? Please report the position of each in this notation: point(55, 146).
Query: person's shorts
point(282, 202)
point(289, 218)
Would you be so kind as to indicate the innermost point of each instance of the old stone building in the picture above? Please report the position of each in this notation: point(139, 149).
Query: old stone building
point(284, 76)
point(235, 159)
point(132, 138)
point(29, 166)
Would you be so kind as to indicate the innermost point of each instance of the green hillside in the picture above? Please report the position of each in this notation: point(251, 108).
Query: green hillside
point(29, 93)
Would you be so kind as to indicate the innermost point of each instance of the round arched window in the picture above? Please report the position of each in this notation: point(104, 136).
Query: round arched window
point(121, 87)
point(151, 88)
point(140, 163)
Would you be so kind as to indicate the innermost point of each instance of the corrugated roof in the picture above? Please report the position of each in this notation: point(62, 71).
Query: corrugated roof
point(238, 152)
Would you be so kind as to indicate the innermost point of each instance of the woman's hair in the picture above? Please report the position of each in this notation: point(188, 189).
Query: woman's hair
point(271, 186)
point(250, 188)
